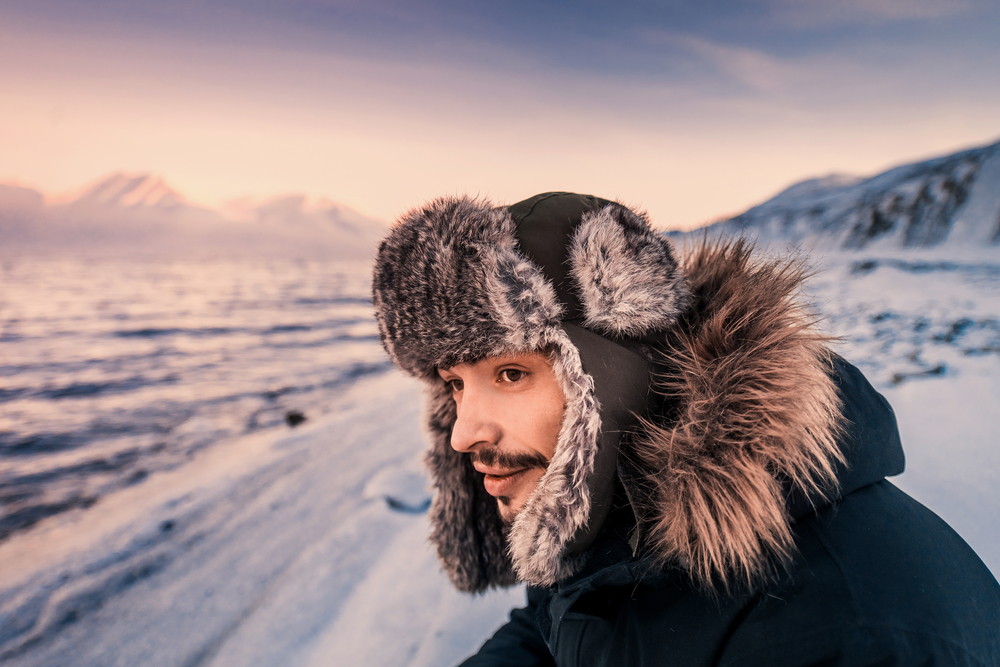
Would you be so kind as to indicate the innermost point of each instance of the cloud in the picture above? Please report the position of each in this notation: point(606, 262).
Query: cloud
point(748, 67)
point(727, 70)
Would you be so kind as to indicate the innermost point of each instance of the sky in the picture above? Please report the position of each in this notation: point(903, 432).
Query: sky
point(692, 110)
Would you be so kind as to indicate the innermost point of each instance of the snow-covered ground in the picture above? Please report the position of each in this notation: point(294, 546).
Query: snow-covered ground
point(307, 546)
point(925, 328)
point(302, 547)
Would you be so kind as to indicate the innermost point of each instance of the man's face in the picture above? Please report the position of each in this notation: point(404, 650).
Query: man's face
point(510, 410)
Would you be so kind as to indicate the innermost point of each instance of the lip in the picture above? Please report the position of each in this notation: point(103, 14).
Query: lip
point(501, 482)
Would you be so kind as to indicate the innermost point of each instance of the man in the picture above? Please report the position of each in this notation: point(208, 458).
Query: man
point(665, 451)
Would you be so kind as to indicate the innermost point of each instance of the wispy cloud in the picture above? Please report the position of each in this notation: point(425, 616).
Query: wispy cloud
point(749, 68)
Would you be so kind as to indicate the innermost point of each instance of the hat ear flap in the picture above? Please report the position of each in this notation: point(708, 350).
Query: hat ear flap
point(628, 280)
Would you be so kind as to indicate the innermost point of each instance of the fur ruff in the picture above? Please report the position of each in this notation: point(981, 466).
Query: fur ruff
point(756, 412)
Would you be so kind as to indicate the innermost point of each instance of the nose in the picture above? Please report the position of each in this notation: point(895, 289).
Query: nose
point(474, 424)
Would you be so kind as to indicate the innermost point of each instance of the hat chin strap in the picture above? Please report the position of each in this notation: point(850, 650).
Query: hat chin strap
point(622, 388)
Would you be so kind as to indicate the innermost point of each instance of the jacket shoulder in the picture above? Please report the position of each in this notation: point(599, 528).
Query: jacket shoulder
point(878, 576)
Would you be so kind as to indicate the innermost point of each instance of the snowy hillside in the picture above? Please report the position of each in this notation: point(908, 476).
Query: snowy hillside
point(129, 215)
point(948, 201)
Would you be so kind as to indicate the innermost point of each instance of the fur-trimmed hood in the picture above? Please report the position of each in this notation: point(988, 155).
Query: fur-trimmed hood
point(756, 419)
point(752, 414)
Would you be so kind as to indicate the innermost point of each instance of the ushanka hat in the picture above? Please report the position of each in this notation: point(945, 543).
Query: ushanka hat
point(582, 278)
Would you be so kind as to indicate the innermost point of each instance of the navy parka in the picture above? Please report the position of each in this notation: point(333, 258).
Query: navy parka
point(878, 579)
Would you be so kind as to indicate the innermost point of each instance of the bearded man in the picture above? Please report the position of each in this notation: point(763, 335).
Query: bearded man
point(665, 451)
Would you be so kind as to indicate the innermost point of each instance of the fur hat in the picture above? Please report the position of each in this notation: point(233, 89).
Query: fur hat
point(462, 279)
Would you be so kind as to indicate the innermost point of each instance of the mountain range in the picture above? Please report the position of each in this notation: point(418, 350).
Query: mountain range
point(141, 215)
point(949, 201)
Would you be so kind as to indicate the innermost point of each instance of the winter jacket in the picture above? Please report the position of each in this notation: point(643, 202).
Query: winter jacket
point(717, 494)
point(877, 579)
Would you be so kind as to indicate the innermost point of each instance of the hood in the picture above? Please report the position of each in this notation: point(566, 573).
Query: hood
point(764, 426)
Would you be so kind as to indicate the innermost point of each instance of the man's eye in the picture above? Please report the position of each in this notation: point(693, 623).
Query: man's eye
point(455, 385)
point(512, 374)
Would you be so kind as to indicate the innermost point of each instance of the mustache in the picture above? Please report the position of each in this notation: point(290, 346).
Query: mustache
point(495, 458)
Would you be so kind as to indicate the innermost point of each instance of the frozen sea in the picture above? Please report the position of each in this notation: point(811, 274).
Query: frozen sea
point(157, 509)
point(113, 370)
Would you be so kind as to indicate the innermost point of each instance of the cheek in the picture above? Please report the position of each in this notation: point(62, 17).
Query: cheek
point(546, 423)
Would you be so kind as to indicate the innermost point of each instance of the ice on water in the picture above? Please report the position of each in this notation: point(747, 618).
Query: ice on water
point(112, 370)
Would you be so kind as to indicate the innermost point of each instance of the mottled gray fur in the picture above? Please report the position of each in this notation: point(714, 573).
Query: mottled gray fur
point(626, 275)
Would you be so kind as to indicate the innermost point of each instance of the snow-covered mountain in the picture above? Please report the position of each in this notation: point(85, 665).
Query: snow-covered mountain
point(951, 201)
point(131, 191)
point(140, 214)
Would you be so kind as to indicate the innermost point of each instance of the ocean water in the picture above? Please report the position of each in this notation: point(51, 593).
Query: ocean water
point(112, 370)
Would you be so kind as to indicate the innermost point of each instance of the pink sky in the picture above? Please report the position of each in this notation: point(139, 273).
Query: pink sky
point(382, 129)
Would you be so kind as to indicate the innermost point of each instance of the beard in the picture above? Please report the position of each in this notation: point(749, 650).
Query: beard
point(507, 513)
point(495, 458)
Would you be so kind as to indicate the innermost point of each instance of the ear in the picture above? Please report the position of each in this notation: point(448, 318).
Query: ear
point(628, 280)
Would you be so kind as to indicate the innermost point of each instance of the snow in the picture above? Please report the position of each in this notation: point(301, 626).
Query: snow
point(982, 206)
point(307, 547)
point(950, 435)
point(279, 548)
point(925, 329)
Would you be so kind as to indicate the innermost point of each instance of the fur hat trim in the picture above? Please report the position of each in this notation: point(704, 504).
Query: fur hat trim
point(449, 288)
point(625, 273)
